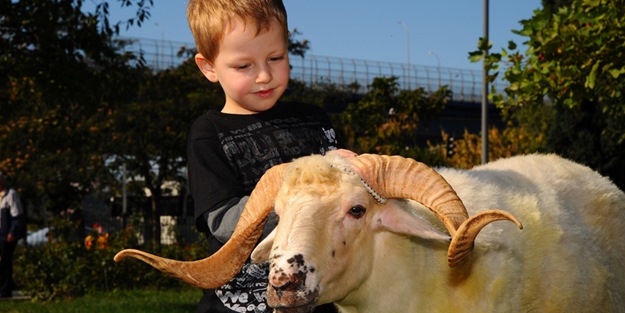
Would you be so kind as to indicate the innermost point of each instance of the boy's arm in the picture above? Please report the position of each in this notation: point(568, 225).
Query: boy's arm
point(222, 221)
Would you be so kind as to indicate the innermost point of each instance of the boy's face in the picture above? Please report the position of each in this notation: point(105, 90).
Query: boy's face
point(253, 70)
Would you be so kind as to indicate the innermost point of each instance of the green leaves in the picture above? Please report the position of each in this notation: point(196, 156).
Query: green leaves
point(590, 79)
point(484, 44)
point(574, 61)
point(62, 75)
point(592, 3)
point(385, 119)
point(616, 72)
point(476, 56)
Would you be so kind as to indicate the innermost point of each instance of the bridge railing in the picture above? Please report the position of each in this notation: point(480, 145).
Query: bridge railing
point(465, 84)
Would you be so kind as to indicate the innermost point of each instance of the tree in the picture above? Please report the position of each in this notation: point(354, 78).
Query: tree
point(385, 119)
point(297, 47)
point(63, 75)
point(149, 134)
point(575, 63)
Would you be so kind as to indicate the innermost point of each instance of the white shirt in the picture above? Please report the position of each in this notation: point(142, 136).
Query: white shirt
point(9, 198)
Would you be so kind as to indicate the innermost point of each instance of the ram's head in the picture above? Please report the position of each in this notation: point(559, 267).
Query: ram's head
point(328, 208)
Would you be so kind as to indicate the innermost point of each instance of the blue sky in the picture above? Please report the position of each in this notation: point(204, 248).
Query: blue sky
point(439, 30)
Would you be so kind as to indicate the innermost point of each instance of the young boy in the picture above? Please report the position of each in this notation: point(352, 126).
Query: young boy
point(242, 45)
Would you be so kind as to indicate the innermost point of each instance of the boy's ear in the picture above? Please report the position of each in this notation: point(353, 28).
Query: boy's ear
point(206, 68)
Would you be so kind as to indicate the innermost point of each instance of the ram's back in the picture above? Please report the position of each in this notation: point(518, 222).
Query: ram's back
point(570, 254)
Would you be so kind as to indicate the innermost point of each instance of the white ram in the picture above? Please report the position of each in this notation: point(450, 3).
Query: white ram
point(347, 235)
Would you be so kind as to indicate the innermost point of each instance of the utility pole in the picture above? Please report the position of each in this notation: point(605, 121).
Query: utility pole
point(485, 89)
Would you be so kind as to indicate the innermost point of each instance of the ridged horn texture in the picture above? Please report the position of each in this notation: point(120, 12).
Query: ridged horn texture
point(220, 267)
point(462, 243)
point(399, 177)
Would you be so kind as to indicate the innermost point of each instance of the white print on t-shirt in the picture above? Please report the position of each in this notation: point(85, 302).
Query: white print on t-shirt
point(246, 292)
point(332, 141)
point(273, 143)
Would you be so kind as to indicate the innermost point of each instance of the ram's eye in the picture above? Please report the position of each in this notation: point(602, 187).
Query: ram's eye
point(357, 211)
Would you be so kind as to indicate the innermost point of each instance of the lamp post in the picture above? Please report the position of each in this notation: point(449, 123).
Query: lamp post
point(405, 26)
point(162, 47)
point(485, 89)
point(438, 67)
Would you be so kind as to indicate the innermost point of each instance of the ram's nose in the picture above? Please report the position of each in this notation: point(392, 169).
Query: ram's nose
point(288, 273)
point(283, 282)
point(287, 285)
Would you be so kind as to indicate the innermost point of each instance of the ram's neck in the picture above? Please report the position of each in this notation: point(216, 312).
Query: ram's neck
point(402, 265)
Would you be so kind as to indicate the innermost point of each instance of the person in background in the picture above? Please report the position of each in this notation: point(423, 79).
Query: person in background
point(12, 228)
point(242, 45)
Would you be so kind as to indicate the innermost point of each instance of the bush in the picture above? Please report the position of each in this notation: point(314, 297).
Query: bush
point(64, 269)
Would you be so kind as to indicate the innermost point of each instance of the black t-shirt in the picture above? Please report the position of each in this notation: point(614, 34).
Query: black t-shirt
point(228, 153)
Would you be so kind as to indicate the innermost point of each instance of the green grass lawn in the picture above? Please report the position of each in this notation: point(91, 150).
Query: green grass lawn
point(151, 301)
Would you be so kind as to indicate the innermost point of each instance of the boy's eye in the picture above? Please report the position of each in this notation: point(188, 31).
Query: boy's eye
point(242, 67)
point(274, 59)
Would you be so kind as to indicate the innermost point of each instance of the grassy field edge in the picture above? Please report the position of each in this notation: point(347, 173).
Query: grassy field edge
point(119, 301)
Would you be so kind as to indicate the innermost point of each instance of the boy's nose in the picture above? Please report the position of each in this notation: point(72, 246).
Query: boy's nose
point(264, 75)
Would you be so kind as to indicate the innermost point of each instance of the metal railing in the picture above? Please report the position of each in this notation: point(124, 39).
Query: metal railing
point(465, 84)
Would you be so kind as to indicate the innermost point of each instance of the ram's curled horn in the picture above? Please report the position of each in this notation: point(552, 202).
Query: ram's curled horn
point(462, 243)
point(224, 264)
point(398, 177)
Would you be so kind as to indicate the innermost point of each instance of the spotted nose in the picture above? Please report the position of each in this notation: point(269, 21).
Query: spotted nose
point(283, 282)
point(288, 274)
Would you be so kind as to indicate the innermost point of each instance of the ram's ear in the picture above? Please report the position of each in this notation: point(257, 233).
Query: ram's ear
point(398, 219)
point(262, 250)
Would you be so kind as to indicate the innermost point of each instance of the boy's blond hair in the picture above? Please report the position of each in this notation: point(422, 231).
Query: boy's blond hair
point(210, 19)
